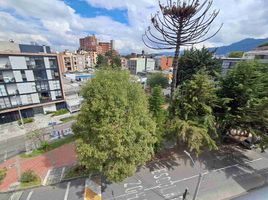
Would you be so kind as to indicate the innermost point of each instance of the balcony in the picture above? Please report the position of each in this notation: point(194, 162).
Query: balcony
point(9, 80)
point(6, 66)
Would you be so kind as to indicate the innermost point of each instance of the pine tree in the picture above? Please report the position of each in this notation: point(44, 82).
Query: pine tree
point(192, 119)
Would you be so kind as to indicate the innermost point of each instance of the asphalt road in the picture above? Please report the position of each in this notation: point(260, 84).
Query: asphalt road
point(72, 190)
point(16, 145)
point(11, 147)
point(225, 174)
point(260, 194)
point(223, 178)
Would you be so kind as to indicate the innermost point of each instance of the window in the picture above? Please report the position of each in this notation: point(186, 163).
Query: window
point(24, 79)
point(29, 99)
point(53, 63)
point(58, 94)
point(42, 86)
point(4, 103)
point(56, 85)
point(55, 74)
point(3, 91)
point(40, 74)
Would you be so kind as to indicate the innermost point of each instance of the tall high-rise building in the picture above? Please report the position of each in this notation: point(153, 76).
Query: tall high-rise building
point(90, 43)
point(30, 81)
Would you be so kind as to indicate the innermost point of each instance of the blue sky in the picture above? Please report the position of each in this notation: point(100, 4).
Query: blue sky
point(86, 10)
point(60, 23)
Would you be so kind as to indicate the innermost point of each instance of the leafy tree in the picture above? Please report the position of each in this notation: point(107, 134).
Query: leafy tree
point(114, 128)
point(102, 61)
point(194, 60)
point(156, 102)
point(246, 89)
point(157, 79)
point(236, 54)
point(192, 119)
point(109, 60)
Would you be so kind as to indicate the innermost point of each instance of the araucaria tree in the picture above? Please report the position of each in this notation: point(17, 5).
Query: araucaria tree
point(180, 23)
point(115, 131)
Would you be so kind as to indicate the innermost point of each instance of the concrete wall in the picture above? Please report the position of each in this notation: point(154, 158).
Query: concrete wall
point(18, 62)
point(49, 108)
point(29, 75)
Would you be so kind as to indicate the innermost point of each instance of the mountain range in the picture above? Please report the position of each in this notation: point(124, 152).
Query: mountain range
point(243, 45)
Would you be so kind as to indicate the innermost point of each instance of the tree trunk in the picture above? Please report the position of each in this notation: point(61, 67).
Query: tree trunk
point(175, 70)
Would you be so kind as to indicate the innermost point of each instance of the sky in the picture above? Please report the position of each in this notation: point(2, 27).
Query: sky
point(60, 23)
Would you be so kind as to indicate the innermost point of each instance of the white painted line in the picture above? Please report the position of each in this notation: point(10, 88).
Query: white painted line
point(188, 178)
point(62, 173)
point(67, 191)
point(5, 159)
point(29, 195)
point(45, 180)
point(236, 165)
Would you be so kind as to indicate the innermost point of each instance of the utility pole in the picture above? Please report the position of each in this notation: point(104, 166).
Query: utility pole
point(200, 176)
point(18, 104)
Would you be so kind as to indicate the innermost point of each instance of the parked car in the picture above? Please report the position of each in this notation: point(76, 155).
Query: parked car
point(247, 144)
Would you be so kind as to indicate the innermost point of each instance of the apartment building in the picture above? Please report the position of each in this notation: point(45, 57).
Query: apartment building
point(29, 80)
point(90, 43)
point(259, 54)
point(79, 61)
point(139, 65)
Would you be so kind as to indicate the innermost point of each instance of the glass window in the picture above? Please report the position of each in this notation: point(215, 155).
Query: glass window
point(58, 94)
point(42, 86)
point(4, 103)
point(40, 74)
point(3, 90)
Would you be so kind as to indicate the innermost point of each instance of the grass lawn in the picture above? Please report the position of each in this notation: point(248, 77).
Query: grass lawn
point(3, 173)
point(76, 171)
point(60, 112)
point(31, 184)
point(68, 119)
point(54, 145)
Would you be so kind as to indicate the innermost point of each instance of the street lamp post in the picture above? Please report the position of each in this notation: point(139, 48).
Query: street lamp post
point(200, 175)
point(18, 104)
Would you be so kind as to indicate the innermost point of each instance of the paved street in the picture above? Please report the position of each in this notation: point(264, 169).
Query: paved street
point(168, 179)
point(11, 147)
point(260, 194)
point(72, 190)
point(14, 145)
point(226, 174)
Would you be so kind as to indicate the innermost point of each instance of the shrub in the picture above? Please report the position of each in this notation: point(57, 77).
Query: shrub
point(29, 176)
point(3, 173)
point(60, 112)
point(26, 120)
point(44, 146)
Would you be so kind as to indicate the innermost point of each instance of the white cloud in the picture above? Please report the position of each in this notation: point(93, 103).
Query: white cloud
point(55, 23)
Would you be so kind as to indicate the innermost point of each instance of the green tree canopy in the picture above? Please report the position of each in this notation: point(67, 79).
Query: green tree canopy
point(156, 103)
point(246, 89)
point(192, 118)
point(194, 60)
point(157, 79)
point(236, 54)
point(109, 60)
point(116, 133)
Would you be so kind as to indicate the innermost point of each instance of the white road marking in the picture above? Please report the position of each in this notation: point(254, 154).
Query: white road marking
point(62, 173)
point(188, 178)
point(45, 180)
point(67, 191)
point(5, 158)
point(29, 195)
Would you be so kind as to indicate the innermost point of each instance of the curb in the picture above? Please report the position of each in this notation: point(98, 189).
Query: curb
point(92, 190)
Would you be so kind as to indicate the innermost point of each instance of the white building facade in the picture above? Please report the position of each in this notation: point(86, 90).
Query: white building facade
point(31, 82)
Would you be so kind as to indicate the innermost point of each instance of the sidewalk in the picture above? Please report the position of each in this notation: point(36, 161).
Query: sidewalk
point(41, 121)
point(63, 156)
